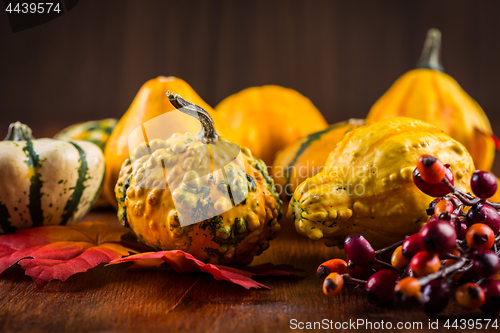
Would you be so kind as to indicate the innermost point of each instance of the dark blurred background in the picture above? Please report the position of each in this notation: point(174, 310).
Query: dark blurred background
point(343, 55)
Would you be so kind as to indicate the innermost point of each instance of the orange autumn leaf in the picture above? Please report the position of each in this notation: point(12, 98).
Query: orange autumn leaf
point(57, 252)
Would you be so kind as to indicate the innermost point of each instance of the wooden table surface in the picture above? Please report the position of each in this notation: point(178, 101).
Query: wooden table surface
point(114, 299)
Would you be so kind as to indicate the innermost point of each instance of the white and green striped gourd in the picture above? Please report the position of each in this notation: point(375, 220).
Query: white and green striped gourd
point(46, 181)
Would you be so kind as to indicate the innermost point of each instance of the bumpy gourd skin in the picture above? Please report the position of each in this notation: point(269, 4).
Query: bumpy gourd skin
point(151, 102)
point(367, 186)
point(233, 235)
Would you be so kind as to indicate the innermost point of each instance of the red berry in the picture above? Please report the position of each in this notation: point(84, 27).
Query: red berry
point(480, 236)
point(486, 263)
point(435, 297)
point(455, 223)
point(431, 169)
point(483, 213)
point(359, 250)
point(469, 276)
point(411, 246)
point(408, 272)
point(425, 263)
point(433, 190)
point(452, 219)
point(363, 273)
point(483, 184)
point(470, 296)
point(491, 290)
point(463, 231)
point(380, 286)
point(332, 266)
point(438, 237)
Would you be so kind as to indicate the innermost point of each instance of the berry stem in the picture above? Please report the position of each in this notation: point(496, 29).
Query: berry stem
point(390, 247)
point(464, 269)
point(348, 279)
point(458, 271)
point(385, 265)
point(450, 256)
point(466, 198)
point(442, 273)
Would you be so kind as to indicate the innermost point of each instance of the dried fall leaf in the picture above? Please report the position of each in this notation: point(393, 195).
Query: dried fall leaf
point(183, 262)
point(57, 252)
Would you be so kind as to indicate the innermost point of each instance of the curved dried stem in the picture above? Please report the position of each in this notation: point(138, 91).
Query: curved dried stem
point(207, 132)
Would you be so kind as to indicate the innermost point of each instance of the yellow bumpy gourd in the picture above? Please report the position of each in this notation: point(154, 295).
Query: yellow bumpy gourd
point(367, 188)
point(191, 193)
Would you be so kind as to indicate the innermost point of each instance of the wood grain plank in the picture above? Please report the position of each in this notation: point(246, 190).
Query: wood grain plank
point(114, 299)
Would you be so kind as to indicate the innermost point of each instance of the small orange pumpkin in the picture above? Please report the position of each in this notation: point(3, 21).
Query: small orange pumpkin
point(270, 117)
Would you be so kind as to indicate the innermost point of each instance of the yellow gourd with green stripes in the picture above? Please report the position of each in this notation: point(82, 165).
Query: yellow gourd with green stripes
point(307, 156)
point(95, 131)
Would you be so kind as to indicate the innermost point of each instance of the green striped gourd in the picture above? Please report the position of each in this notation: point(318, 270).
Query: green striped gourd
point(95, 131)
point(307, 156)
point(46, 181)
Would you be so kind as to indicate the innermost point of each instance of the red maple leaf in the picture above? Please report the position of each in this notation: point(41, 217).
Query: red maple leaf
point(183, 262)
point(57, 252)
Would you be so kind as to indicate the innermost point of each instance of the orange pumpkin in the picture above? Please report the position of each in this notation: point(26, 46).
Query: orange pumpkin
point(270, 117)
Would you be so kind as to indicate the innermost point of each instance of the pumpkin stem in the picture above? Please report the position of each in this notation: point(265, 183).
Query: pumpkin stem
point(207, 132)
point(431, 56)
point(19, 132)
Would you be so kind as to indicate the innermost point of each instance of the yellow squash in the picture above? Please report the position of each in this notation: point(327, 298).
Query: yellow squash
point(151, 101)
point(307, 156)
point(429, 94)
point(200, 194)
point(366, 186)
point(268, 118)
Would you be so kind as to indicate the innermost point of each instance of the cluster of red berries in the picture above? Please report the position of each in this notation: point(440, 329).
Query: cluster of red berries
point(456, 251)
